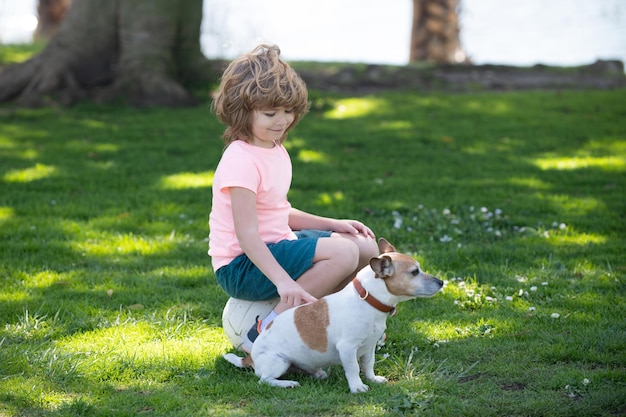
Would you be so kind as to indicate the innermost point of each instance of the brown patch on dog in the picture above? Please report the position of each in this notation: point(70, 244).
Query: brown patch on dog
point(311, 321)
point(400, 284)
point(247, 362)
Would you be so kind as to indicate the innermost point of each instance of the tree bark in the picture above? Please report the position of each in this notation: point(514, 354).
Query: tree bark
point(435, 32)
point(145, 51)
point(50, 14)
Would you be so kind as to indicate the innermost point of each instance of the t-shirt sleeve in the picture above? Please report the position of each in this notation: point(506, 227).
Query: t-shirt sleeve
point(238, 169)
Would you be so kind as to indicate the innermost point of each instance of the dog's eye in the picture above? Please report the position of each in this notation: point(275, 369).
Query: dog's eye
point(415, 272)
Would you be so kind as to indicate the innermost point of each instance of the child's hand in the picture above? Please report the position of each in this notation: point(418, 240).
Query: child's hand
point(353, 227)
point(293, 294)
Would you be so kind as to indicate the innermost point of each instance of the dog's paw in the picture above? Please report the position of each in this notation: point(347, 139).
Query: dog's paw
point(319, 374)
point(234, 359)
point(358, 387)
point(378, 379)
point(281, 383)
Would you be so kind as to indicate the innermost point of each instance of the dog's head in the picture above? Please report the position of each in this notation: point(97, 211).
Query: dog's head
point(402, 274)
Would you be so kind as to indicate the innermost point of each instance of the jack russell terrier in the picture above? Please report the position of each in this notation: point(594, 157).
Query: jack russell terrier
point(340, 328)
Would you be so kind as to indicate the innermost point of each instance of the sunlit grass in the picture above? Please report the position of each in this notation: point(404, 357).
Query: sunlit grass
point(326, 199)
point(493, 107)
point(12, 54)
point(529, 182)
point(6, 213)
point(187, 180)
point(309, 155)
point(37, 172)
point(354, 107)
point(572, 163)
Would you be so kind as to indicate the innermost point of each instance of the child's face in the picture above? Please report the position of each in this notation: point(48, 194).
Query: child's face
point(269, 125)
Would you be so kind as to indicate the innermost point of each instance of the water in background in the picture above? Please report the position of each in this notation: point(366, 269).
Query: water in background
point(515, 32)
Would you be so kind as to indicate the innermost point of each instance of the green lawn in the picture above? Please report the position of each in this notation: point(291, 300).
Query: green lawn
point(109, 307)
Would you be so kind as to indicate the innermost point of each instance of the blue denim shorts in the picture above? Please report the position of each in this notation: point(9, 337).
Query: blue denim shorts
point(242, 279)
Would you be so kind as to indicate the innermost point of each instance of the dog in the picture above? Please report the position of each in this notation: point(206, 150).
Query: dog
point(340, 328)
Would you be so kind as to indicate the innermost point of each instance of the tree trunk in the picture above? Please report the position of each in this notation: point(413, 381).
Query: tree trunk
point(435, 32)
point(50, 14)
point(143, 50)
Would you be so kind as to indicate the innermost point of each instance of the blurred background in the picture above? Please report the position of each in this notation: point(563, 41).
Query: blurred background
point(515, 32)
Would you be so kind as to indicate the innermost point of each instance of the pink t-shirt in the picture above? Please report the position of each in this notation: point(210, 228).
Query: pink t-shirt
point(266, 172)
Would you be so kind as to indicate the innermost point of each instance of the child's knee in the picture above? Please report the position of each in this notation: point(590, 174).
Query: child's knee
point(370, 249)
point(346, 254)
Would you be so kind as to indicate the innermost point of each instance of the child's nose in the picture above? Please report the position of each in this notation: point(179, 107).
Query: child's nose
point(283, 119)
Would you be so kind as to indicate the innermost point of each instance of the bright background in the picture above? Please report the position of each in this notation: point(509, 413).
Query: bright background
point(515, 32)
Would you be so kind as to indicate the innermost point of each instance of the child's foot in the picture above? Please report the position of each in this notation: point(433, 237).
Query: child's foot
point(247, 339)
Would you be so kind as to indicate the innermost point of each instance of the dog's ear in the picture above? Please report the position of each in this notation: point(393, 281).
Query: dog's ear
point(384, 246)
point(382, 267)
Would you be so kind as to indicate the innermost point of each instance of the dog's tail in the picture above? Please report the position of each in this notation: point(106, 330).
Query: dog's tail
point(238, 361)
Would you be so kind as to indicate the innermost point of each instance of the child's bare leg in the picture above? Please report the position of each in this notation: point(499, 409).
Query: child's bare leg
point(368, 249)
point(334, 260)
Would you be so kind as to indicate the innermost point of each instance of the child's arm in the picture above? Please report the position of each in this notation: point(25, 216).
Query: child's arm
point(246, 228)
point(300, 220)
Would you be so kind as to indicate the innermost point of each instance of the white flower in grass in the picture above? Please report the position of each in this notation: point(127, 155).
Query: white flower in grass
point(533, 288)
point(498, 212)
point(555, 315)
point(446, 212)
point(531, 309)
point(544, 283)
point(586, 381)
point(445, 239)
point(562, 226)
point(509, 298)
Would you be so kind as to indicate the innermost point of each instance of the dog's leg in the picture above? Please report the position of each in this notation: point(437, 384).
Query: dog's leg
point(238, 361)
point(350, 364)
point(271, 367)
point(367, 366)
point(315, 373)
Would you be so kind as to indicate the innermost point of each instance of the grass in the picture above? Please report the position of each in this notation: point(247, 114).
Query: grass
point(109, 307)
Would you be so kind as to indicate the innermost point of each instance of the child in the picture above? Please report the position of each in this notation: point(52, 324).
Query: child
point(260, 246)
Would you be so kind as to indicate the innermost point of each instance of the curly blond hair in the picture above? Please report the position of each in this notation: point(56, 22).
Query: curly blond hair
point(257, 80)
